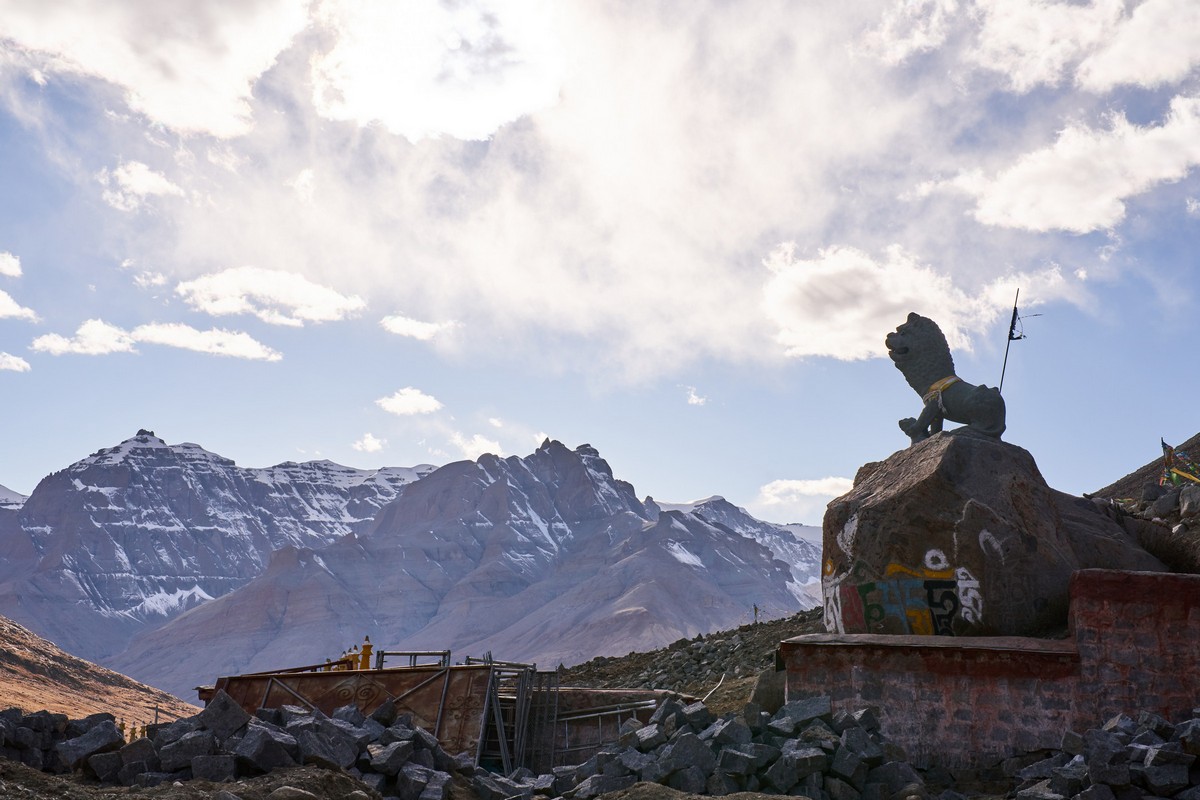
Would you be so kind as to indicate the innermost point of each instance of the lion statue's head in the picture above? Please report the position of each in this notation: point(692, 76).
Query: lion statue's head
point(919, 350)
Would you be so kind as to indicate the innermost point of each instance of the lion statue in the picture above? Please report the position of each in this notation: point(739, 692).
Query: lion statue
point(919, 350)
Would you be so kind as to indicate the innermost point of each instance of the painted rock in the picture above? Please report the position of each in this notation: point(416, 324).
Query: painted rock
point(960, 535)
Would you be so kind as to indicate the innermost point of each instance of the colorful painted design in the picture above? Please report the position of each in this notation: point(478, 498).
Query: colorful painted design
point(924, 600)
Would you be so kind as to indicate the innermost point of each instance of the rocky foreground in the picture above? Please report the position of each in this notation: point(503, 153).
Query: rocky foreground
point(803, 749)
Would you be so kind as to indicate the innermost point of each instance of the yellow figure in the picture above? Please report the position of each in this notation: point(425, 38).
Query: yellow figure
point(364, 660)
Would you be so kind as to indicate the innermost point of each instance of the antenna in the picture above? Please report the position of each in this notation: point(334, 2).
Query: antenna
point(1012, 334)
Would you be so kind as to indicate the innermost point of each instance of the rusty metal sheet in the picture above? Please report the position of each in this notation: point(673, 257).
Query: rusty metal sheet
point(450, 702)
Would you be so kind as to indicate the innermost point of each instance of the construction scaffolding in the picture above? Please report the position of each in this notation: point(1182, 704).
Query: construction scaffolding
point(505, 714)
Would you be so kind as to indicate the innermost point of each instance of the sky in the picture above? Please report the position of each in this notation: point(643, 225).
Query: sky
point(400, 233)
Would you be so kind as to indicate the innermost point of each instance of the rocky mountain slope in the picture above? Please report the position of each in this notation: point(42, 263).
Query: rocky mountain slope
point(35, 675)
point(547, 558)
point(135, 534)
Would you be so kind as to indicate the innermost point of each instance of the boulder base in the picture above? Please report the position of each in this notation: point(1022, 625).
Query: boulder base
point(960, 535)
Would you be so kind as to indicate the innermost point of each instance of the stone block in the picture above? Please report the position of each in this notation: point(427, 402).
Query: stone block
point(860, 741)
point(179, 754)
point(690, 780)
point(599, 784)
point(1072, 743)
point(385, 713)
point(1166, 779)
point(762, 754)
point(867, 719)
point(735, 762)
point(1039, 791)
point(649, 737)
point(349, 713)
point(78, 727)
point(389, 758)
point(438, 787)
point(667, 709)
point(720, 784)
point(223, 716)
point(164, 734)
point(838, 789)
point(635, 760)
point(141, 749)
point(102, 738)
point(105, 766)
point(1071, 778)
point(731, 731)
point(850, 767)
point(697, 715)
point(686, 751)
point(335, 752)
point(127, 774)
point(1168, 753)
point(216, 768)
point(264, 748)
point(1041, 770)
point(148, 779)
point(895, 775)
point(271, 716)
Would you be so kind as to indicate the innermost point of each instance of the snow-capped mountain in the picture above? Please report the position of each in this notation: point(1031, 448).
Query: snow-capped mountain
point(134, 534)
point(787, 542)
point(10, 499)
point(545, 558)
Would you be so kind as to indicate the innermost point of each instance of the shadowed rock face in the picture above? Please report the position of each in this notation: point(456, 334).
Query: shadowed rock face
point(960, 535)
point(545, 558)
point(138, 533)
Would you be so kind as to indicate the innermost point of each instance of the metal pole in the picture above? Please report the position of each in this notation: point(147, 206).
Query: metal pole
point(1012, 327)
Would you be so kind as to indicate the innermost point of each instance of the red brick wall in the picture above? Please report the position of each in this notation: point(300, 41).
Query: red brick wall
point(969, 702)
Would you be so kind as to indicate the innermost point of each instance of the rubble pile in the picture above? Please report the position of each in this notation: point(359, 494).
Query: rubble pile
point(802, 749)
point(1126, 757)
point(1177, 507)
point(223, 742)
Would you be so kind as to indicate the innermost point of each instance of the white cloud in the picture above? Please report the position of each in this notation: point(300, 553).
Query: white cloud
point(1159, 43)
point(475, 446)
point(97, 337)
point(127, 186)
point(94, 337)
point(1079, 183)
point(369, 444)
point(11, 309)
point(10, 265)
point(468, 67)
point(1193, 206)
point(408, 401)
point(214, 341)
point(694, 398)
point(404, 326)
point(843, 302)
point(916, 26)
point(13, 363)
point(798, 500)
point(143, 47)
point(274, 296)
point(149, 280)
point(302, 185)
point(495, 422)
point(1033, 42)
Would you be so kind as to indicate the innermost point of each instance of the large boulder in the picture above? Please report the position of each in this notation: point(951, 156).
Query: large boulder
point(960, 535)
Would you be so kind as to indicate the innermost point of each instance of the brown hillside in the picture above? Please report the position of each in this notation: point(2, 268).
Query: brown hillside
point(37, 675)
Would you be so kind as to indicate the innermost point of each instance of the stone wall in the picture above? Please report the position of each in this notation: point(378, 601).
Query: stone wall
point(971, 701)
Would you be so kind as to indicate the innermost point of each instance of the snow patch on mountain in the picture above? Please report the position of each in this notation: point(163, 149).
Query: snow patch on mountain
point(684, 556)
point(11, 499)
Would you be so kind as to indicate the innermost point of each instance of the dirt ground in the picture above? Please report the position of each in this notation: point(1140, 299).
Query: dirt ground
point(18, 782)
point(757, 653)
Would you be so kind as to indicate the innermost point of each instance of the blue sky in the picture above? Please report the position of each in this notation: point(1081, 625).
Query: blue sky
point(390, 234)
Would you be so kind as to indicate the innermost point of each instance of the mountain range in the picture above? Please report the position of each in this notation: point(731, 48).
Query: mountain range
point(174, 565)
